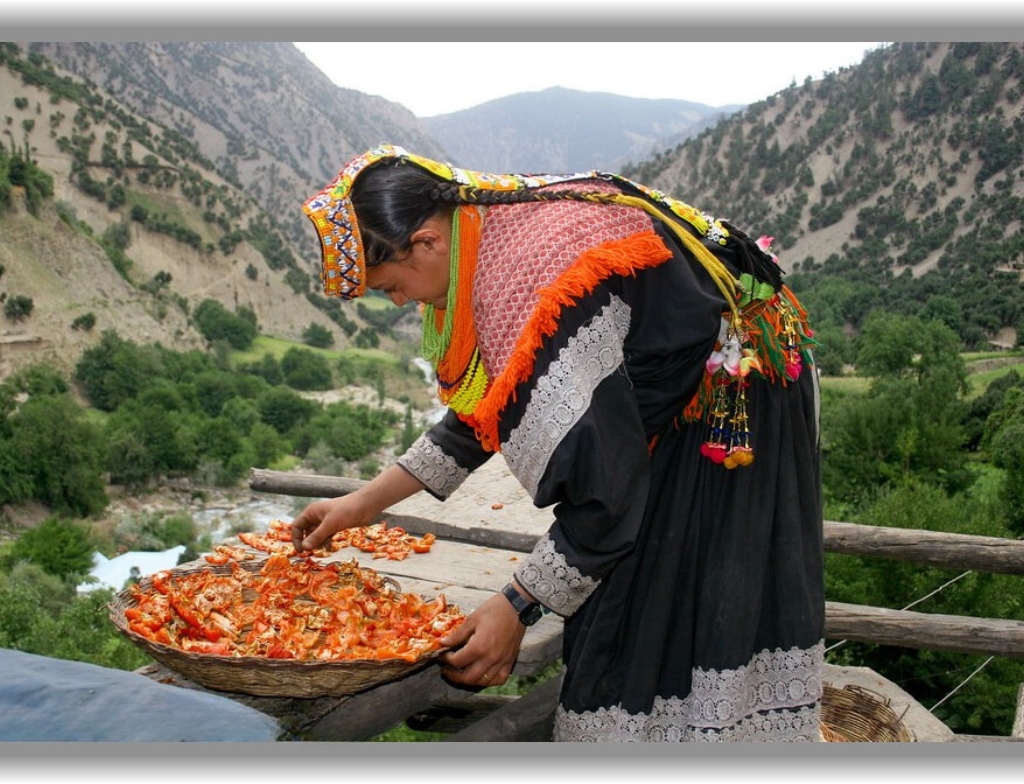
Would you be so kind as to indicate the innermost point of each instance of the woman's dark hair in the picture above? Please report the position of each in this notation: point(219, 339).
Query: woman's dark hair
point(392, 200)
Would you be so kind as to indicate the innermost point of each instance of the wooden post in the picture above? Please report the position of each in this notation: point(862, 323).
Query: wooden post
point(1018, 721)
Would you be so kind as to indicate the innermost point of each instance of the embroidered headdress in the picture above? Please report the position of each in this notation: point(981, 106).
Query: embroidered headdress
point(344, 261)
point(331, 210)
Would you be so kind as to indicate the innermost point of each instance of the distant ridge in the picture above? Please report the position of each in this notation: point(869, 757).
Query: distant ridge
point(564, 130)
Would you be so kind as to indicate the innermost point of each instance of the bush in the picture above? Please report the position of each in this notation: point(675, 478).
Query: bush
point(116, 370)
point(350, 432)
point(305, 370)
point(317, 336)
point(85, 322)
point(18, 307)
point(284, 410)
point(215, 322)
point(46, 619)
point(61, 454)
point(59, 547)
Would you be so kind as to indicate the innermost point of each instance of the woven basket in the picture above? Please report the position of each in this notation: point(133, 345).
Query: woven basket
point(854, 714)
point(258, 675)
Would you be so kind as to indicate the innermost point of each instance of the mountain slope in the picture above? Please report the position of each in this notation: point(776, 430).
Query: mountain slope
point(902, 178)
point(265, 116)
point(896, 184)
point(141, 227)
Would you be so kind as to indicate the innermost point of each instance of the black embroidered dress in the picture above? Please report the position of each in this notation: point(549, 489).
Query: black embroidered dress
point(692, 594)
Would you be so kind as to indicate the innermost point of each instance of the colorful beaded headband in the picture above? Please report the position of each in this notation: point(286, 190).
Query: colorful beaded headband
point(333, 215)
point(332, 212)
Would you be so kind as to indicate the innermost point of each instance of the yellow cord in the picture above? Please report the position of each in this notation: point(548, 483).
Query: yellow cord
point(716, 269)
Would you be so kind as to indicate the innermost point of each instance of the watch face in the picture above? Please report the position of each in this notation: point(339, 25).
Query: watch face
point(531, 615)
point(529, 612)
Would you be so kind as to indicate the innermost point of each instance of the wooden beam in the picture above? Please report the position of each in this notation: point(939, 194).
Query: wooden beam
point(362, 719)
point(990, 554)
point(529, 718)
point(303, 485)
point(455, 714)
point(955, 633)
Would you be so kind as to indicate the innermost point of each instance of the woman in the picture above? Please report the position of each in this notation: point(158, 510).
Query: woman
point(646, 373)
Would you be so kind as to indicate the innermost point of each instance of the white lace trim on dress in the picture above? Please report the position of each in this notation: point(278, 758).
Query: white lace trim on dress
point(776, 697)
point(552, 581)
point(438, 470)
point(563, 394)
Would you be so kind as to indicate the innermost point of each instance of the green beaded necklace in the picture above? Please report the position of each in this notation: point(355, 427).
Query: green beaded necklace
point(434, 344)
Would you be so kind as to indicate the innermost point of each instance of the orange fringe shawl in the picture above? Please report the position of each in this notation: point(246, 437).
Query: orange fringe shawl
point(617, 257)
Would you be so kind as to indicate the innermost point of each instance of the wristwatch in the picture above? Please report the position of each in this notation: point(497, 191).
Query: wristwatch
point(529, 612)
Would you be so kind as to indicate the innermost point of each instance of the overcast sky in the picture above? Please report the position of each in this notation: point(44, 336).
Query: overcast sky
point(712, 73)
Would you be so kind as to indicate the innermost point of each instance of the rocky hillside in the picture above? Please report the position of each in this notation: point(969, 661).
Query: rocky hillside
point(178, 169)
point(893, 182)
point(266, 117)
point(177, 174)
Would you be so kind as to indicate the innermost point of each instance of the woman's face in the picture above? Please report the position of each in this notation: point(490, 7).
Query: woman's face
point(420, 274)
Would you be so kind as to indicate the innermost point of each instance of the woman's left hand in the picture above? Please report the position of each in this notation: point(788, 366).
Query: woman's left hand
point(486, 645)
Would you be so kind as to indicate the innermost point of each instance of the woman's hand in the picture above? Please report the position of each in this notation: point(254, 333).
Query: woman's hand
point(487, 644)
point(321, 520)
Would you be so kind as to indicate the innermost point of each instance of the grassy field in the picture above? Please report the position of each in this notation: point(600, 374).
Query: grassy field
point(402, 380)
point(277, 347)
point(982, 369)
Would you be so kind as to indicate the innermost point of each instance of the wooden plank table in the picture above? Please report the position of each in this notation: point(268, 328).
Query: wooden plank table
point(490, 507)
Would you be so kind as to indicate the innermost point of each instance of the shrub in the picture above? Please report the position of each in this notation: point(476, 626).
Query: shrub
point(59, 547)
point(317, 336)
point(305, 370)
point(18, 307)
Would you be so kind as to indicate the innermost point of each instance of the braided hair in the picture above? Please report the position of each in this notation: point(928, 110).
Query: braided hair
point(393, 199)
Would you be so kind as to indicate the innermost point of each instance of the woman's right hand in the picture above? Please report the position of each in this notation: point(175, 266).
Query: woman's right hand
point(321, 520)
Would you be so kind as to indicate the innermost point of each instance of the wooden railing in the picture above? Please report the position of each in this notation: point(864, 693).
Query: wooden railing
point(860, 623)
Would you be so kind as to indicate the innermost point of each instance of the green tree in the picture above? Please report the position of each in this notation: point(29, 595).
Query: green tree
point(116, 370)
point(84, 322)
point(213, 389)
point(1003, 441)
point(984, 405)
point(349, 431)
point(18, 307)
point(62, 453)
point(317, 336)
point(305, 370)
point(908, 427)
point(284, 410)
point(38, 614)
point(27, 592)
point(267, 368)
point(216, 322)
point(146, 440)
point(58, 546)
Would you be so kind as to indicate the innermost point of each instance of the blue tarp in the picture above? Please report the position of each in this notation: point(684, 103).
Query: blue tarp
point(46, 699)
